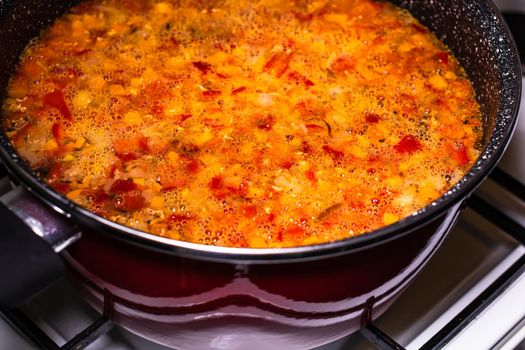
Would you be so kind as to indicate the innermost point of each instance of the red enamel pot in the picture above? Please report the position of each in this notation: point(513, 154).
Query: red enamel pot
point(192, 296)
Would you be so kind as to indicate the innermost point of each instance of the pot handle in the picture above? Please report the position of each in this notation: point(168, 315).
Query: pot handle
point(31, 235)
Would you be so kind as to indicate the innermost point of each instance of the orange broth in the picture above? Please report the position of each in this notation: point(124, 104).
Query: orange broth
point(268, 123)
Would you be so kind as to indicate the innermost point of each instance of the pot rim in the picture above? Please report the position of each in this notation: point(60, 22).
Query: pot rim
point(510, 94)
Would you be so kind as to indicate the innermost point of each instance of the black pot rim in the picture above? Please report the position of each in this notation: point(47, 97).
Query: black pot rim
point(508, 109)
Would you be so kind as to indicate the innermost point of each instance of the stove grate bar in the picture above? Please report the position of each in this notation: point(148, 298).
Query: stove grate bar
point(509, 183)
point(82, 340)
point(379, 339)
point(89, 335)
point(41, 340)
point(498, 218)
point(472, 310)
point(373, 334)
point(25, 326)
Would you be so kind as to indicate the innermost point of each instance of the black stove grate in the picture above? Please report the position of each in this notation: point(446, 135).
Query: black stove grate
point(370, 331)
point(23, 324)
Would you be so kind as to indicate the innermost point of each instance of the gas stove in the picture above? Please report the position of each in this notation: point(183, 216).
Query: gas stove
point(470, 295)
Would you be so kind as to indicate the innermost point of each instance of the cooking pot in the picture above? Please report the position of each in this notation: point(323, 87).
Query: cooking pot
point(192, 296)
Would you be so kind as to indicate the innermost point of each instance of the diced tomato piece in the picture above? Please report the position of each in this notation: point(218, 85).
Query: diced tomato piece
point(204, 67)
point(61, 187)
point(100, 198)
point(408, 144)
point(127, 156)
point(123, 186)
point(211, 93)
point(216, 183)
point(238, 90)
point(142, 143)
point(270, 217)
point(310, 175)
point(314, 127)
point(295, 230)
point(460, 155)
point(249, 211)
point(221, 190)
point(97, 196)
point(129, 201)
point(300, 79)
point(56, 170)
point(342, 64)
point(442, 57)
point(57, 100)
point(58, 133)
point(193, 166)
point(280, 235)
point(328, 224)
point(335, 154)
point(180, 217)
point(184, 117)
point(279, 63)
point(371, 118)
point(240, 190)
point(287, 164)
